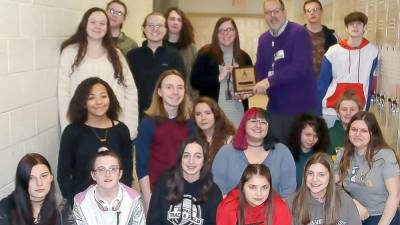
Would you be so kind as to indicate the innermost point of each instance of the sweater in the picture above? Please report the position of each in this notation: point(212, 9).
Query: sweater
point(336, 137)
point(101, 67)
point(161, 212)
point(7, 210)
point(345, 64)
point(130, 212)
point(156, 149)
point(205, 72)
point(300, 164)
point(79, 144)
point(289, 64)
point(147, 67)
point(125, 43)
point(346, 213)
point(229, 210)
point(229, 164)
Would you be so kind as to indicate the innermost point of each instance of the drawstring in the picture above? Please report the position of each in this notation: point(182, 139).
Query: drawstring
point(359, 61)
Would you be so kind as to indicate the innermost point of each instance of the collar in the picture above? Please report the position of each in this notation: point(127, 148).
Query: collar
point(280, 31)
point(344, 44)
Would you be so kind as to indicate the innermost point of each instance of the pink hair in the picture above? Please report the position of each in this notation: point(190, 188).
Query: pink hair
point(239, 141)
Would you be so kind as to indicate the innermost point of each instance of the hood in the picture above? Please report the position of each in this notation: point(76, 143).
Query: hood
point(344, 44)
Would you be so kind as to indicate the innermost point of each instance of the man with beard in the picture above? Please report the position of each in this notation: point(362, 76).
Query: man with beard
point(285, 70)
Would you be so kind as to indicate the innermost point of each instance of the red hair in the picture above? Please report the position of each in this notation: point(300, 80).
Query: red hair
point(239, 141)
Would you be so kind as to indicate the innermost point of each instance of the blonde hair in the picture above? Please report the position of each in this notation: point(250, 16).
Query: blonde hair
point(157, 110)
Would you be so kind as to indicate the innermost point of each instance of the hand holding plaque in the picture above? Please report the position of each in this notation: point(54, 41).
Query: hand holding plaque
point(244, 79)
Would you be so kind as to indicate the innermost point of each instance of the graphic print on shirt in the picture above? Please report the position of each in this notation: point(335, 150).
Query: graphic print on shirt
point(321, 222)
point(359, 175)
point(186, 212)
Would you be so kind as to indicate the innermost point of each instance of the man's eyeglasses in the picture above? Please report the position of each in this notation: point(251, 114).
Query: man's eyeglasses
point(115, 12)
point(313, 10)
point(273, 12)
point(102, 170)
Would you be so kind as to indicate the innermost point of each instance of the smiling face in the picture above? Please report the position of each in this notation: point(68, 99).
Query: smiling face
point(192, 161)
point(116, 14)
point(172, 91)
point(347, 109)
point(275, 15)
point(96, 26)
point(226, 34)
point(308, 138)
point(39, 182)
point(154, 28)
point(204, 116)
point(317, 180)
point(98, 101)
point(355, 29)
point(174, 22)
point(256, 190)
point(359, 135)
point(106, 172)
point(256, 129)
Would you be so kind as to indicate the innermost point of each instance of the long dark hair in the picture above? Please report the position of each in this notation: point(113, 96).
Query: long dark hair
point(250, 171)
point(318, 125)
point(186, 35)
point(175, 180)
point(80, 38)
point(215, 50)
point(223, 127)
point(376, 142)
point(23, 214)
point(301, 201)
point(77, 111)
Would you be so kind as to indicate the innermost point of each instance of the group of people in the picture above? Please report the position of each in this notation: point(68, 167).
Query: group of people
point(170, 115)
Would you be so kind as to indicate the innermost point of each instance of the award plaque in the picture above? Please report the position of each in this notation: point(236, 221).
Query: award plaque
point(244, 79)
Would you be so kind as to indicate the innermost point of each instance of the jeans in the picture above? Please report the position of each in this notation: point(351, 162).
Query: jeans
point(374, 220)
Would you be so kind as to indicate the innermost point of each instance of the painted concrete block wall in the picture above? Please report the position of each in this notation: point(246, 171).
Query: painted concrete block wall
point(31, 32)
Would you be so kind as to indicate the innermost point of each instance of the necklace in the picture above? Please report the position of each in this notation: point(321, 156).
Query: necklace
point(103, 141)
point(254, 146)
point(98, 136)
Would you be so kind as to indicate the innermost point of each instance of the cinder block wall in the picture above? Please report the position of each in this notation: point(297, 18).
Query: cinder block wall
point(31, 32)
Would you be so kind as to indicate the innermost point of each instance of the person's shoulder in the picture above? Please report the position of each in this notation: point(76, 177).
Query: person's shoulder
point(80, 197)
point(384, 153)
point(7, 202)
point(296, 27)
point(70, 50)
point(73, 129)
point(345, 198)
point(278, 201)
point(231, 201)
point(281, 148)
point(132, 193)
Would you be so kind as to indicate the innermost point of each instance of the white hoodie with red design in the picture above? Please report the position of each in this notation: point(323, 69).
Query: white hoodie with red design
point(345, 64)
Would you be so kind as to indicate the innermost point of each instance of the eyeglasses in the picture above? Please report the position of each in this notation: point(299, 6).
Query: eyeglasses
point(154, 26)
point(115, 12)
point(254, 122)
point(103, 170)
point(313, 10)
point(273, 12)
point(226, 30)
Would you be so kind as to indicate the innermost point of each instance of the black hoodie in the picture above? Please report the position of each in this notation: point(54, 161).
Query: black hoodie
point(186, 212)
